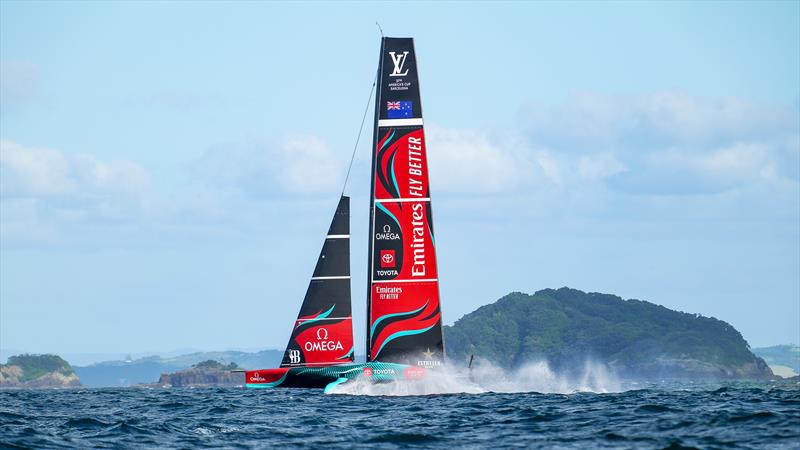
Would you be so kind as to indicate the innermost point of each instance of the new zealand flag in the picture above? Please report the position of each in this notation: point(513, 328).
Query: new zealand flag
point(399, 110)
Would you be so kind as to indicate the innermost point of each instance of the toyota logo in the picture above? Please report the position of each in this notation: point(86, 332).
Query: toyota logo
point(387, 258)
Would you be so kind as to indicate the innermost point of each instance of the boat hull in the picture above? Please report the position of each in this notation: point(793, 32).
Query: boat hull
point(328, 377)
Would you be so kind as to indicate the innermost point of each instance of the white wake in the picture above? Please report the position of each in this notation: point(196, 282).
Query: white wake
point(485, 377)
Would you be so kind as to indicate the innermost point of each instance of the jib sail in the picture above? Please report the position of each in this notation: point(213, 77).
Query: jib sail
point(404, 318)
point(323, 332)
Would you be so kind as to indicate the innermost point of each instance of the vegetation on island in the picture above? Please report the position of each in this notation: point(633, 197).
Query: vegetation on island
point(210, 364)
point(567, 327)
point(37, 371)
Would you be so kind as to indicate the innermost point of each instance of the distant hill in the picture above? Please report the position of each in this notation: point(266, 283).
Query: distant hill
point(148, 369)
point(784, 360)
point(37, 371)
point(637, 339)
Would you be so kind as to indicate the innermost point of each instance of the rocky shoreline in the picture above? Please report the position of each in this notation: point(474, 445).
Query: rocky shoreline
point(205, 374)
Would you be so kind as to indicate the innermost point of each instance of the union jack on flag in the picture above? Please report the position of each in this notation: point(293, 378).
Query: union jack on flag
point(399, 110)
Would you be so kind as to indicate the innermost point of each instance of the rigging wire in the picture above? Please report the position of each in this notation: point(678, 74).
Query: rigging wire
point(360, 129)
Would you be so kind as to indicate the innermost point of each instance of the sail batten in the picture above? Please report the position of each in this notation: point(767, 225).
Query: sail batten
point(404, 318)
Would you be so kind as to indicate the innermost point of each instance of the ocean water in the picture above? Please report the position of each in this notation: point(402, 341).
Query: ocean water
point(738, 415)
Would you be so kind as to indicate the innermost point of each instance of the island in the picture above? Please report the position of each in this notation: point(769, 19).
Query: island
point(37, 371)
point(636, 339)
point(204, 374)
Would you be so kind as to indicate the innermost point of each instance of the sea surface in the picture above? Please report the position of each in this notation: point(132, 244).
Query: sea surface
point(656, 416)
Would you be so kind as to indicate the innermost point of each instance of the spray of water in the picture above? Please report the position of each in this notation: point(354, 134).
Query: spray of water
point(538, 376)
point(485, 377)
point(443, 380)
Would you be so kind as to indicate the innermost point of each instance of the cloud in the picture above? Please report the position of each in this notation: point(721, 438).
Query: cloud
point(42, 172)
point(599, 166)
point(590, 122)
point(52, 197)
point(294, 165)
point(679, 172)
point(669, 143)
point(662, 143)
point(46, 192)
point(736, 158)
point(467, 161)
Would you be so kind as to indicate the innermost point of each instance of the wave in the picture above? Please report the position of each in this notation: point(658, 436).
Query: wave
point(750, 415)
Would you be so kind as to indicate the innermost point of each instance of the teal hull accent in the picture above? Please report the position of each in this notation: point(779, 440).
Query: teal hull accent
point(331, 386)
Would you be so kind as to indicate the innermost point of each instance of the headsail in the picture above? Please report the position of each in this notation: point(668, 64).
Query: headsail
point(404, 319)
point(323, 332)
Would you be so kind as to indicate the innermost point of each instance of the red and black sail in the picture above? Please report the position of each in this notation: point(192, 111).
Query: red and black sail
point(404, 317)
point(323, 331)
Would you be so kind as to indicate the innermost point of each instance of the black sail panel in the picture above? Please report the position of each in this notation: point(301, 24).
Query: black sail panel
point(323, 332)
point(404, 315)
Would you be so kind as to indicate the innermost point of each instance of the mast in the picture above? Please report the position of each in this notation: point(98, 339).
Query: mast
point(403, 314)
point(379, 81)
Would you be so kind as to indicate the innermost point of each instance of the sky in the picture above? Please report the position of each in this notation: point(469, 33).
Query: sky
point(168, 170)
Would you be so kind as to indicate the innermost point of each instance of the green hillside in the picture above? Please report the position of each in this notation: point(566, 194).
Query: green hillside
point(37, 371)
point(35, 366)
point(635, 338)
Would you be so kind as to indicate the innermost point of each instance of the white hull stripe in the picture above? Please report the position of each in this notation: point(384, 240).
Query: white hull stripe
point(324, 318)
point(399, 122)
point(338, 236)
point(402, 200)
point(346, 277)
point(405, 281)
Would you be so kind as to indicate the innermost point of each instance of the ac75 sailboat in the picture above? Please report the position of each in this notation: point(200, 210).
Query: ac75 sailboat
point(404, 324)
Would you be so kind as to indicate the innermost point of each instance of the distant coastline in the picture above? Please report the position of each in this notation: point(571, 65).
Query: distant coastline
point(638, 340)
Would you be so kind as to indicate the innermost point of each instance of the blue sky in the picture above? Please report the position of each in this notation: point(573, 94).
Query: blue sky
point(167, 171)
